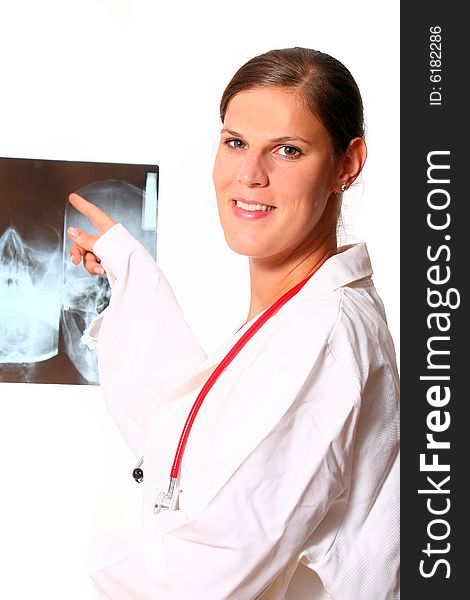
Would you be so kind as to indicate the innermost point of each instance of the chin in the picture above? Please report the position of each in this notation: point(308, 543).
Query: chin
point(253, 250)
point(249, 248)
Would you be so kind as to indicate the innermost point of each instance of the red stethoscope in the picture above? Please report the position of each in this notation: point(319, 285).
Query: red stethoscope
point(169, 500)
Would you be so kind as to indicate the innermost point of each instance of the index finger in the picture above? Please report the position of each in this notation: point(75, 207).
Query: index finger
point(95, 215)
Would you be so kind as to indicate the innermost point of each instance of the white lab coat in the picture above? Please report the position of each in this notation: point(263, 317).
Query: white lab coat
point(292, 463)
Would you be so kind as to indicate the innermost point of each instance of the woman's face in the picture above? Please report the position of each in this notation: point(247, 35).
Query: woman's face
point(274, 173)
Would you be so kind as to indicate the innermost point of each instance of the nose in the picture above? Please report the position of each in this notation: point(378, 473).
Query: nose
point(252, 171)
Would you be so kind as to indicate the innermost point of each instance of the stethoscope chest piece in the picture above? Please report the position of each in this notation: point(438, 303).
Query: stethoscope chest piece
point(165, 500)
point(168, 500)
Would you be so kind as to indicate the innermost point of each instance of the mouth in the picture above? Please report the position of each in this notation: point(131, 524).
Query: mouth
point(252, 206)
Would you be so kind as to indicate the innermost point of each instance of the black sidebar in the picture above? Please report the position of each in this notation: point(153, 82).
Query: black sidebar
point(435, 332)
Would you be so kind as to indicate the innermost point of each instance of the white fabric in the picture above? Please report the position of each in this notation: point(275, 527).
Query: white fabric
point(291, 466)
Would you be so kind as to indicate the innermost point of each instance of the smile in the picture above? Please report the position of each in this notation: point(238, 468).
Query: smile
point(252, 207)
point(251, 212)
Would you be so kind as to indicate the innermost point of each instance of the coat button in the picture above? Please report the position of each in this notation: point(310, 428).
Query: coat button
point(138, 475)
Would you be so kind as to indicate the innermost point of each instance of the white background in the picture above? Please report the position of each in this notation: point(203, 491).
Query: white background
point(140, 81)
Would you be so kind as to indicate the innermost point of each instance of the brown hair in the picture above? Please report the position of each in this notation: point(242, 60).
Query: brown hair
point(326, 86)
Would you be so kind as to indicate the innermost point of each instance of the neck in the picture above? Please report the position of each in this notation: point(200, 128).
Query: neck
point(271, 278)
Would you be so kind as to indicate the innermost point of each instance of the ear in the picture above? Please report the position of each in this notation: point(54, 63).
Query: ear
point(350, 164)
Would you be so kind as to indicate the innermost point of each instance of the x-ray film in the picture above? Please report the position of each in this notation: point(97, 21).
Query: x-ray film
point(46, 302)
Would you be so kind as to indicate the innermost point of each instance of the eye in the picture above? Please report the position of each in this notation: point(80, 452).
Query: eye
point(235, 143)
point(289, 151)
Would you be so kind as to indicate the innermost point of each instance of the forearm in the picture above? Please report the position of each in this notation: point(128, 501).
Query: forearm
point(144, 345)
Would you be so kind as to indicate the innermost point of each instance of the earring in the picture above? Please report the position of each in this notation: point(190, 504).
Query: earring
point(344, 187)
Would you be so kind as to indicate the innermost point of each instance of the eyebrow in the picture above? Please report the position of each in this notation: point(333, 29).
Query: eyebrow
point(279, 140)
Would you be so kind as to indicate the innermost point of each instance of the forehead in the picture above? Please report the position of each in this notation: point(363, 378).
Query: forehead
point(272, 112)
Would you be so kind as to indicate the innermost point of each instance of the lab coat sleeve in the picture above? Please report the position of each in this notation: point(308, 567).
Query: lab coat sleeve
point(144, 345)
point(248, 532)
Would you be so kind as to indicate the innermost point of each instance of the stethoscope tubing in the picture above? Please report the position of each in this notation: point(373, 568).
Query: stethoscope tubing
point(269, 312)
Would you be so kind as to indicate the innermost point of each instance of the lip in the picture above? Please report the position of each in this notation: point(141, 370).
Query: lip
point(250, 215)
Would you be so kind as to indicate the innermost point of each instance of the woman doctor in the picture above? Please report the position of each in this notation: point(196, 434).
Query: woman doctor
point(289, 465)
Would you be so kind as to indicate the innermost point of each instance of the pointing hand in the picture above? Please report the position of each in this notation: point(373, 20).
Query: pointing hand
point(82, 242)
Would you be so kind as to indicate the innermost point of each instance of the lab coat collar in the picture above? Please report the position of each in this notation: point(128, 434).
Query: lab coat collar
point(351, 263)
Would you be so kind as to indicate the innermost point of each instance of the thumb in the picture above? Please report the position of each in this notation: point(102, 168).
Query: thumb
point(83, 240)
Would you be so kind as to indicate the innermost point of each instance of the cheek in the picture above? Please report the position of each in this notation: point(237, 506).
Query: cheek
point(316, 183)
point(305, 195)
point(225, 172)
point(302, 187)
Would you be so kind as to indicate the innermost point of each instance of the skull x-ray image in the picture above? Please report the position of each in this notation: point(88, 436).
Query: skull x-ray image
point(46, 302)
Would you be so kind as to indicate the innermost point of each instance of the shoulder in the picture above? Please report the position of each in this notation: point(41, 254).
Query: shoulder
point(354, 311)
point(349, 323)
point(340, 291)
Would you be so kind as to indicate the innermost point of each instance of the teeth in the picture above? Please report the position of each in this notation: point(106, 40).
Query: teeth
point(252, 207)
